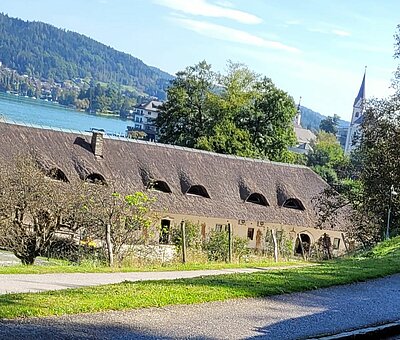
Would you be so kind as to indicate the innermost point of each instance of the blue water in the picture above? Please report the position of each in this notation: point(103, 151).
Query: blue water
point(39, 112)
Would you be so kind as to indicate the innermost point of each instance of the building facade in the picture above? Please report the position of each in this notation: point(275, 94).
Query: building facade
point(209, 189)
point(144, 116)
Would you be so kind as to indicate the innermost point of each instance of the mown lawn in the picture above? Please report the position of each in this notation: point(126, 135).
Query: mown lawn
point(383, 260)
point(65, 267)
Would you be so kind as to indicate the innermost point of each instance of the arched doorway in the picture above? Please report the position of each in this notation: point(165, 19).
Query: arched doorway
point(303, 246)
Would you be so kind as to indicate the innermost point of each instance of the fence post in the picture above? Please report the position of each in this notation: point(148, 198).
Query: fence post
point(230, 241)
point(183, 230)
point(273, 232)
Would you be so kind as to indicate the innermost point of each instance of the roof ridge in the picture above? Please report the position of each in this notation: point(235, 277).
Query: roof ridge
point(168, 146)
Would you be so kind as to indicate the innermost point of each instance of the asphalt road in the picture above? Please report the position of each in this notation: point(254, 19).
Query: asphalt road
point(291, 316)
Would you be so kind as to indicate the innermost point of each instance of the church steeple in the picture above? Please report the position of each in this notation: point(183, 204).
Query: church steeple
point(358, 106)
point(297, 117)
point(357, 116)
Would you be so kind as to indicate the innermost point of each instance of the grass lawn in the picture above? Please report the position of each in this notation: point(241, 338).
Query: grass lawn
point(381, 261)
point(58, 266)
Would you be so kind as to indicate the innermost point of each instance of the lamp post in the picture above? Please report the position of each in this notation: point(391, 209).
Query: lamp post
point(392, 193)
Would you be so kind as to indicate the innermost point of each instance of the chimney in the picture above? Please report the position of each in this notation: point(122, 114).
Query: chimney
point(97, 144)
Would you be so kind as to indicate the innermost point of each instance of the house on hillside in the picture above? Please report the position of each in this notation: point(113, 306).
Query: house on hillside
point(144, 116)
point(213, 190)
point(304, 136)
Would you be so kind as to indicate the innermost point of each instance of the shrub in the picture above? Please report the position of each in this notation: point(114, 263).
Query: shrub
point(217, 246)
point(192, 232)
point(285, 244)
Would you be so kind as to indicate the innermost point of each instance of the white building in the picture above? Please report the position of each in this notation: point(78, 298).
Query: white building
point(144, 116)
point(304, 136)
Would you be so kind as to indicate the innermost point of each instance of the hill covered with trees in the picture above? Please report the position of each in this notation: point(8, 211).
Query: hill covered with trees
point(43, 51)
point(311, 119)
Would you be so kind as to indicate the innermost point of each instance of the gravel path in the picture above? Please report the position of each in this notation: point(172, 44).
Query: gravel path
point(25, 283)
point(292, 316)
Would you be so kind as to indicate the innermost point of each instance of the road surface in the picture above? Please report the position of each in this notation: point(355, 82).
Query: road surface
point(290, 316)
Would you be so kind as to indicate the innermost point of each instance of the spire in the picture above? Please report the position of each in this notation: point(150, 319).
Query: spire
point(357, 116)
point(361, 93)
point(297, 118)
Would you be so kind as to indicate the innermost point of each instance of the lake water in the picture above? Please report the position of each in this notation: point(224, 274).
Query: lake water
point(39, 112)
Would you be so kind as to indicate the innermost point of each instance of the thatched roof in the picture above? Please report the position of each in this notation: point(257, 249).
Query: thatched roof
point(133, 165)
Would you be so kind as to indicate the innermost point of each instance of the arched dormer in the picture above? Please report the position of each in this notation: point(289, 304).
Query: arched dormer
point(293, 203)
point(95, 178)
point(57, 175)
point(198, 190)
point(257, 198)
point(160, 186)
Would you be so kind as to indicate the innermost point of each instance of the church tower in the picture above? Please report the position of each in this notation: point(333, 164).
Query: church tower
point(356, 118)
point(297, 117)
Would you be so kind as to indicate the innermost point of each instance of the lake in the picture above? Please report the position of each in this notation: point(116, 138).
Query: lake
point(39, 112)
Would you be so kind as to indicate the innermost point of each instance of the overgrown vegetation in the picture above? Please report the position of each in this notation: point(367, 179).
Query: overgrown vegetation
point(382, 260)
point(36, 203)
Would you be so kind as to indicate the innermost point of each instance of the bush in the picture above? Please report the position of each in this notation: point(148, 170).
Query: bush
point(285, 244)
point(69, 249)
point(193, 235)
point(217, 246)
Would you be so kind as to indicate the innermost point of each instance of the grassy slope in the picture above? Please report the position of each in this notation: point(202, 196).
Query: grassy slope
point(383, 260)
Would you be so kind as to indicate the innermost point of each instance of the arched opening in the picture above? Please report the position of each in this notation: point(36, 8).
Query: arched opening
point(160, 186)
point(198, 190)
point(257, 198)
point(293, 203)
point(303, 246)
point(58, 175)
point(95, 178)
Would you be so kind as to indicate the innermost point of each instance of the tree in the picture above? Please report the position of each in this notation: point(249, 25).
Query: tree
point(330, 124)
point(326, 157)
point(237, 113)
point(380, 154)
point(120, 221)
point(31, 208)
point(269, 121)
point(364, 197)
point(372, 171)
point(185, 116)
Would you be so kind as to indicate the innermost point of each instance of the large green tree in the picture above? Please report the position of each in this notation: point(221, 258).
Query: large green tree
point(238, 113)
point(380, 155)
point(326, 157)
point(330, 124)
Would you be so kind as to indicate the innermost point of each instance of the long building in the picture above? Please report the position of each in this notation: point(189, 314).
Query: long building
point(211, 189)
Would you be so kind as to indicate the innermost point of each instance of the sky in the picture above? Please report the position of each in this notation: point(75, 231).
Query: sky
point(316, 49)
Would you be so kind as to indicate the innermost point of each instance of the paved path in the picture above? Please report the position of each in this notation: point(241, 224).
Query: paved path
point(8, 259)
point(24, 283)
point(292, 316)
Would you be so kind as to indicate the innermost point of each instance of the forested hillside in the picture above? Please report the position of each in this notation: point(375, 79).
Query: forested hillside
point(44, 51)
point(311, 119)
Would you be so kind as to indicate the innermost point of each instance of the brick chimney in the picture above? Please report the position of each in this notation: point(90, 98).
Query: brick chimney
point(97, 144)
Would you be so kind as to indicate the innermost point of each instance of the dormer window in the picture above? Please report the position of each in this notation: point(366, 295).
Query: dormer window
point(293, 203)
point(160, 186)
point(257, 198)
point(198, 190)
point(57, 175)
point(95, 178)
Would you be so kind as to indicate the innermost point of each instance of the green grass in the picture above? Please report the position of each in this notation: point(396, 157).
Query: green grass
point(57, 266)
point(127, 295)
